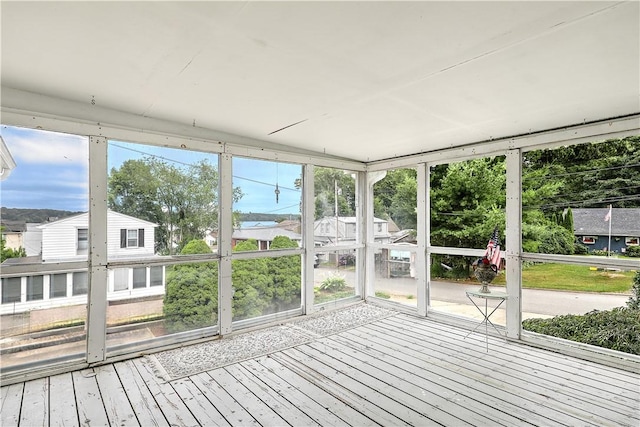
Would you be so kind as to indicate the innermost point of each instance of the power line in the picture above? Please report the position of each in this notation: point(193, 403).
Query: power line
point(188, 164)
point(583, 172)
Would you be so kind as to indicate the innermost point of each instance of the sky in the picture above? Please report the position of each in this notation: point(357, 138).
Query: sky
point(52, 172)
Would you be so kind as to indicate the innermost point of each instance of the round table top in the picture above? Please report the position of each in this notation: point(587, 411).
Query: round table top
point(488, 295)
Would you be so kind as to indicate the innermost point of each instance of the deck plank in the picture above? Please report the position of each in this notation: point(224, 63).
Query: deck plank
point(374, 391)
point(435, 409)
point(35, 403)
point(63, 409)
point(310, 407)
point(321, 375)
point(291, 414)
point(524, 376)
point(463, 396)
point(145, 406)
point(91, 411)
point(399, 370)
point(521, 361)
point(174, 409)
point(114, 398)
point(345, 412)
point(229, 408)
point(201, 407)
point(477, 390)
point(579, 373)
point(11, 404)
point(260, 411)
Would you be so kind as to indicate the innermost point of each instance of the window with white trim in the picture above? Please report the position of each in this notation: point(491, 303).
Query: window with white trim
point(35, 288)
point(120, 279)
point(83, 241)
point(80, 283)
point(11, 289)
point(632, 241)
point(156, 274)
point(588, 240)
point(58, 285)
point(132, 238)
point(139, 277)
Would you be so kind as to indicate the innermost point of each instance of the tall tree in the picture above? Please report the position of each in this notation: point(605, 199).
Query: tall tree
point(325, 182)
point(468, 202)
point(395, 197)
point(183, 201)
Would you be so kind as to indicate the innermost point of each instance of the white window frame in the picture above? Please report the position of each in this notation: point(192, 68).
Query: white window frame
point(130, 239)
point(82, 241)
point(632, 241)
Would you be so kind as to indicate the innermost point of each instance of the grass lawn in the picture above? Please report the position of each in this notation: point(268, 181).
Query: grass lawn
point(569, 277)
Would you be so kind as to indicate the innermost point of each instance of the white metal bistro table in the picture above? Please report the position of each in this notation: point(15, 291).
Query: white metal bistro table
point(486, 296)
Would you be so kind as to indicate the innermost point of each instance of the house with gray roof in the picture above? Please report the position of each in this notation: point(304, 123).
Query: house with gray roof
point(263, 236)
point(592, 230)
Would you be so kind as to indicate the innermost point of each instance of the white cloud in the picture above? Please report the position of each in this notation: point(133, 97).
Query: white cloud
point(41, 147)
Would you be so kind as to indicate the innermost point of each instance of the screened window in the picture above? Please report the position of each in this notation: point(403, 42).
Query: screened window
point(156, 276)
point(139, 278)
point(120, 279)
point(34, 288)
point(58, 285)
point(83, 240)
point(10, 290)
point(80, 283)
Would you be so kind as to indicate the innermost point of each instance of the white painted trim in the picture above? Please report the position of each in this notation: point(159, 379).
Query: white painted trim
point(31, 110)
point(361, 233)
point(308, 244)
point(98, 274)
point(593, 261)
point(225, 230)
point(569, 135)
point(514, 243)
point(422, 269)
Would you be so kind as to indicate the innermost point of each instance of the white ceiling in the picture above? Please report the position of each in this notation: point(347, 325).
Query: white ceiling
point(360, 80)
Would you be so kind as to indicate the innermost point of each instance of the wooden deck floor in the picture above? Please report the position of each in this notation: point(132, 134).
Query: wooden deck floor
point(400, 370)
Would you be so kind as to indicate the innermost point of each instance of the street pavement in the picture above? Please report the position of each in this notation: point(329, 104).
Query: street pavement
point(452, 296)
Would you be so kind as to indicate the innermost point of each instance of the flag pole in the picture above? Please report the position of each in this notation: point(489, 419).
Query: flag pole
point(610, 220)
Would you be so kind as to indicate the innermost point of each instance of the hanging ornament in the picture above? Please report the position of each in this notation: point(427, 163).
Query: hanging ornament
point(277, 191)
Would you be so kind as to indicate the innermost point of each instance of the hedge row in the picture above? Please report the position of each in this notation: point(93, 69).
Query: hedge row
point(617, 329)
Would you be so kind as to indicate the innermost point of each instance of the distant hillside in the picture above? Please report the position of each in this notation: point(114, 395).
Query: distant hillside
point(32, 215)
point(267, 217)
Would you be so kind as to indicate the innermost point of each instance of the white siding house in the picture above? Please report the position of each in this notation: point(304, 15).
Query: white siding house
point(325, 230)
point(66, 240)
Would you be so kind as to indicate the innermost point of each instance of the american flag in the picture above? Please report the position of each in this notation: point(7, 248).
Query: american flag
point(493, 249)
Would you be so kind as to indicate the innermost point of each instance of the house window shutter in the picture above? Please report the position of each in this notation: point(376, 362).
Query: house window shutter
point(141, 237)
point(123, 237)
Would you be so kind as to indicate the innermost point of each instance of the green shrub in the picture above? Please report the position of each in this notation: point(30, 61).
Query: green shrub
point(333, 284)
point(617, 329)
point(634, 300)
point(580, 249)
point(633, 251)
point(599, 252)
point(383, 295)
point(191, 295)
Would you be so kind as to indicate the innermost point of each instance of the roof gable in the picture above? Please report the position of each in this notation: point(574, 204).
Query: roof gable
point(85, 218)
point(624, 222)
